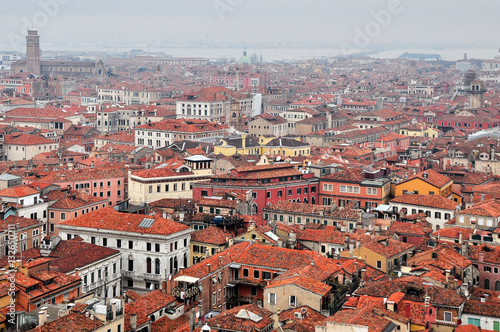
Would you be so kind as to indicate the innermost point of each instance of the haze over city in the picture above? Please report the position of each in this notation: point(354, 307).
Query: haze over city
point(250, 165)
point(329, 27)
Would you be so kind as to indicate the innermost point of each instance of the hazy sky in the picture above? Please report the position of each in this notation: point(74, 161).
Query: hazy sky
point(257, 23)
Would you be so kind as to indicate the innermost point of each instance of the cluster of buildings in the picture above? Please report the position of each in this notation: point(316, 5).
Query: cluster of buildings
point(180, 194)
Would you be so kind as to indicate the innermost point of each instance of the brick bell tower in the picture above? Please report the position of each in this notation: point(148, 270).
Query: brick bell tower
point(33, 52)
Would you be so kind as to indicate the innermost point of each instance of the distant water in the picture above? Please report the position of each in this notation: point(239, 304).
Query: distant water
point(272, 54)
point(275, 54)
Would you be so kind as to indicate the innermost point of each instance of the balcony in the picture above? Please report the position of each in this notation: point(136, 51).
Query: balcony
point(248, 282)
point(128, 274)
point(444, 322)
point(151, 276)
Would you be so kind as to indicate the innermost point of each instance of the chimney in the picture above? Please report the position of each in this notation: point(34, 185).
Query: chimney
point(61, 313)
point(447, 277)
point(133, 321)
point(42, 317)
point(465, 249)
point(243, 141)
point(408, 310)
point(191, 319)
point(113, 311)
point(481, 256)
point(358, 243)
point(460, 237)
point(390, 306)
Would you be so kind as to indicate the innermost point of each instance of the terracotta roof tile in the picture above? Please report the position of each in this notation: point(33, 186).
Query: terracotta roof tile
point(435, 201)
point(109, 218)
point(436, 179)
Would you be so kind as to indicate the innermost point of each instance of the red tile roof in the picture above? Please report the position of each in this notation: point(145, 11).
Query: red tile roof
point(435, 201)
point(82, 174)
point(434, 178)
point(489, 208)
point(23, 222)
point(307, 283)
point(109, 218)
point(253, 254)
point(27, 139)
point(438, 295)
point(392, 248)
point(211, 235)
point(18, 191)
point(227, 320)
point(184, 126)
point(71, 322)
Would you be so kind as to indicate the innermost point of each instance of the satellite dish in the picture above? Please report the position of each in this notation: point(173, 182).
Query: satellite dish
point(400, 274)
point(466, 293)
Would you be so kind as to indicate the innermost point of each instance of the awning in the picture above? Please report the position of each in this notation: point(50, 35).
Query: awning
point(230, 285)
point(234, 266)
point(188, 279)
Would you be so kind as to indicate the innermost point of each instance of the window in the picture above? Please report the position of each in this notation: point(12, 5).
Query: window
point(63, 216)
point(379, 264)
point(272, 298)
point(280, 193)
point(245, 273)
point(447, 316)
point(329, 187)
point(266, 275)
point(131, 244)
point(293, 301)
point(256, 274)
point(323, 249)
point(118, 243)
point(92, 239)
point(253, 291)
point(437, 215)
point(104, 242)
point(148, 246)
point(157, 247)
point(474, 321)
point(131, 265)
point(52, 215)
point(268, 194)
point(371, 191)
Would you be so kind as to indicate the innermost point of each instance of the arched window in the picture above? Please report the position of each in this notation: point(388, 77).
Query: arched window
point(305, 199)
point(185, 261)
point(171, 265)
point(497, 285)
point(157, 266)
point(486, 283)
point(313, 200)
point(176, 264)
point(148, 265)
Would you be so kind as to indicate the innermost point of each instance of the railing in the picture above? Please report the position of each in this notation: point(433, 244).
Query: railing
point(151, 276)
point(244, 281)
point(128, 274)
point(439, 321)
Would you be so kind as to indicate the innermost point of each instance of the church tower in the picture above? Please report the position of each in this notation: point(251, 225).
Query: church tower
point(33, 52)
point(476, 92)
